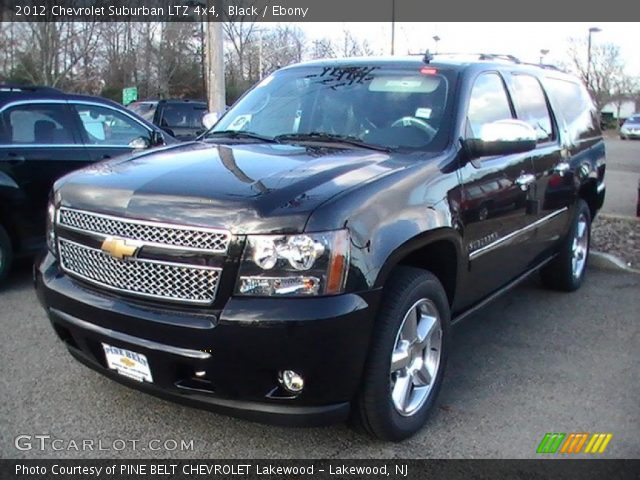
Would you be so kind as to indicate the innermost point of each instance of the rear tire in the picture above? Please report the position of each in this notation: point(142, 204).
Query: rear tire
point(566, 272)
point(6, 254)
point(402, 377)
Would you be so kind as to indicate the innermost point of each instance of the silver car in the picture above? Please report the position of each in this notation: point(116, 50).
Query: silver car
point(631, 127)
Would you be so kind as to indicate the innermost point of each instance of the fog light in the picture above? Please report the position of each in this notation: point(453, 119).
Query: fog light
point(291, 381)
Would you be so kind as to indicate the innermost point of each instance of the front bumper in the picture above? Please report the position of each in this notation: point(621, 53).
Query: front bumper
point(630, 134)
point(241, 347)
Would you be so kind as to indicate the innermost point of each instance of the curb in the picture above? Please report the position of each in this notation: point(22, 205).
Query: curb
point(615, 216)
point(606, 261)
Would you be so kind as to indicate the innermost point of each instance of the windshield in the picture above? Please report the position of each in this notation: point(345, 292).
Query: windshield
point(634, 119)
point(145, 110)
point(372, 105)
point(183, 115)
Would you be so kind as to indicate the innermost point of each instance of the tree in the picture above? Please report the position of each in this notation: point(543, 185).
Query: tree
point(603, 74)
point(346, 46)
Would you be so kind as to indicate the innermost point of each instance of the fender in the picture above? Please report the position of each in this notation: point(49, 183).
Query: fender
point(448, 234)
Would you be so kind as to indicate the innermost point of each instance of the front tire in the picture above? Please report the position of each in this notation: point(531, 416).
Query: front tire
point(6, 254)
point(407, 358)
point(566, 272)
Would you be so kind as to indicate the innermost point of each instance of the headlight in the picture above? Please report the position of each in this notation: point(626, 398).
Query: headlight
point(294, 265)
point(51, 233)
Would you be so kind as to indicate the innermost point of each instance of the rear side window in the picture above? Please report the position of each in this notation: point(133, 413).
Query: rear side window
point(488, 103)
point(531, 105)
point(46, 124)
point(576, 107)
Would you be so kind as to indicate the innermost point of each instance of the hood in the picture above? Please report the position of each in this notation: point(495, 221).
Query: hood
point(244, 188)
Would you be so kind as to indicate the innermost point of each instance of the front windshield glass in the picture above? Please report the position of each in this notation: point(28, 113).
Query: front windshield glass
point(376, 106)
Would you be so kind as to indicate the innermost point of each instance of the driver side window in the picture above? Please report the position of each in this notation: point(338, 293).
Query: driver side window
point(104, 126)
point(488, 103)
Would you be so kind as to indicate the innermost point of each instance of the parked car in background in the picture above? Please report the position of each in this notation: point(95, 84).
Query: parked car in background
point(631, 127)
point(180, 118)
point(44, 134)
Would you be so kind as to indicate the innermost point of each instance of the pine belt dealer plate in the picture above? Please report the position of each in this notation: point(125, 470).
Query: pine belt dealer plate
point(127, 363)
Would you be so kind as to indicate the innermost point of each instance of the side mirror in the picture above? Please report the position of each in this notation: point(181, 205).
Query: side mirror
point(139, 143)
point(503, 137)
point(156, 138)
point(210, 119)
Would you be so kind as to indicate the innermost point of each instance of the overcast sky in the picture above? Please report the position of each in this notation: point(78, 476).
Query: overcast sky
point(524, 40)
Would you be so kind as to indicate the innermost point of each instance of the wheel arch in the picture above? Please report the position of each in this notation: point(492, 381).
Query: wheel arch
point(438, 251)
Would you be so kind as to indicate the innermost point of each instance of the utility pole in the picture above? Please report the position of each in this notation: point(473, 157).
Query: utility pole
point(393, 27)
point(215, 60)
point(591, 31)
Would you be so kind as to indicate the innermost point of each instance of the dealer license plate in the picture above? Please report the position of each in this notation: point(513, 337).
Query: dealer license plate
point(130, 364)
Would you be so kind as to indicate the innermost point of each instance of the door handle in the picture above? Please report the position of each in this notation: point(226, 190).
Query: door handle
point(523, 181)
point(562, 168)
point(105, 156)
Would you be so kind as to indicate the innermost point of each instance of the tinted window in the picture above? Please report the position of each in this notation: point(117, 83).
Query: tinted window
point(392, 108)
point(531, 105)
point(182, 115)
point(48, 124)
point(104, 126)
point(575, 105)
point(488, 103)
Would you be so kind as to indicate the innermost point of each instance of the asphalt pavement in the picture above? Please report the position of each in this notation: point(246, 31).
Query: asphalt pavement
point(622, 176)
point(533, 362)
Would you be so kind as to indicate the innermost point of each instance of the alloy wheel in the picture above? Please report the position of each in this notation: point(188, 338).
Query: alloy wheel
point(416, 357)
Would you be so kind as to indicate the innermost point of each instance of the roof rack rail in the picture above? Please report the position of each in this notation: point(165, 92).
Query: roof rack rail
point(10, 87)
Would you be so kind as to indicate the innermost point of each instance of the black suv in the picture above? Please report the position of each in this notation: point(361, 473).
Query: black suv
point(44, 134)
point(306, 259)
point(180, 118)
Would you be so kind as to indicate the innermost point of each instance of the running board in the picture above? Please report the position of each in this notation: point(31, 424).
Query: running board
point(500, 291)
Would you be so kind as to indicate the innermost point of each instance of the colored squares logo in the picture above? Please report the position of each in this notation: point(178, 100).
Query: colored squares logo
point(574, 443)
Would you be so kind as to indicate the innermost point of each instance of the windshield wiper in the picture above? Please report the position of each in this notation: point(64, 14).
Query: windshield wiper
point(329, 138)
point(240, 134)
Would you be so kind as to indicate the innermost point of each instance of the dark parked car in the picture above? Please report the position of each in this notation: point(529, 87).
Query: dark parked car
point(180, 118)
point(44, 134)
point(305, 261)
point(631, 127)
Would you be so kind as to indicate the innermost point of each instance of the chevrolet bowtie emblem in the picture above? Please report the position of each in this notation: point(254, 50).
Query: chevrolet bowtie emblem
point(120, 248)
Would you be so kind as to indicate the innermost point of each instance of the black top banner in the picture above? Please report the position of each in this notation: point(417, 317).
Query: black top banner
point(312, 10)
point(319, 469)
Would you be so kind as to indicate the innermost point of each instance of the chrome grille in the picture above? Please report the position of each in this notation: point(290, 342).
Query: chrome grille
point(167, 281)
point(192, 238)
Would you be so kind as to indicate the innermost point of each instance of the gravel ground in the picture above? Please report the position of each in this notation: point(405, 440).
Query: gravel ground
point(619, 236)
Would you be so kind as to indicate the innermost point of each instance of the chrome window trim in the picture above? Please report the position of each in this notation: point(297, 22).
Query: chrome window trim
point(61, 145)
point(149, 223)
point(497, 243)
point(140, 294)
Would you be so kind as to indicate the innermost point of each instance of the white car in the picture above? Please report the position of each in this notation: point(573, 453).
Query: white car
point(631, 127)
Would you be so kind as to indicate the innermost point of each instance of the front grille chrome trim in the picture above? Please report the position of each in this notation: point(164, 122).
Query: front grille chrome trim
point(218, 236)
point(214, 277)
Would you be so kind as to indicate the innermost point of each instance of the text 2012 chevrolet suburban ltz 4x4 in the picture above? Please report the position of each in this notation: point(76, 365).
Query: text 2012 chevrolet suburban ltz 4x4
point(304, 261)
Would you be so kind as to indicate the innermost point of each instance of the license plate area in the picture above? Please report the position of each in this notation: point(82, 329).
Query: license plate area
point(128, 363)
